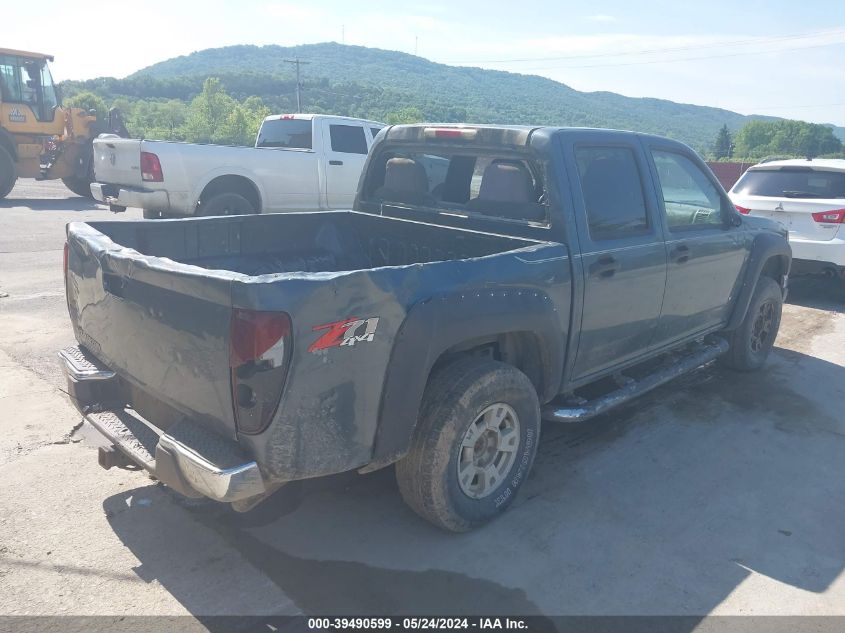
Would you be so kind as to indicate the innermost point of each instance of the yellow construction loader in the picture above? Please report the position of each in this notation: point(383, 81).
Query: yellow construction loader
point(38, 137)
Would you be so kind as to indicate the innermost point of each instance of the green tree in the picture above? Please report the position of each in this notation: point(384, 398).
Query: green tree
point(723, 146)
point(758, 139)
point(89, 101)
point(404, 115)
point(208, 119)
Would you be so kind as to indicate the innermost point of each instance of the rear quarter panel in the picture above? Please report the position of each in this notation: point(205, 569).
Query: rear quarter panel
point(332, 406)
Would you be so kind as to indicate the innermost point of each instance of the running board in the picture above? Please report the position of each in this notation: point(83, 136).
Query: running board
point(632, 388)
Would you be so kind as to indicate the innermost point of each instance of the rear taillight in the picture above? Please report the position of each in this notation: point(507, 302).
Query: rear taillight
point(259, 355)
point(830, 217)
point(743, 210)
point(151, 168)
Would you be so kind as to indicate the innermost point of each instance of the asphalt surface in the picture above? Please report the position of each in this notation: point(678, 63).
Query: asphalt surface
point(721, 493)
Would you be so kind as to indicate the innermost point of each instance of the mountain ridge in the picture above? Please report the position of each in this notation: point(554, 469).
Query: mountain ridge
point(465, 93)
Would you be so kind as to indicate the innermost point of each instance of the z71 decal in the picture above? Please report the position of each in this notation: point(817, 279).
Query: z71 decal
point(347, 332)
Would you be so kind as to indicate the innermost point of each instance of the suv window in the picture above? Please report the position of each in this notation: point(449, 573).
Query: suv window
point(491, 185)
point(689, 197)
point(792, 182)
point(348, 139)
point(290, 133)
point(374, 131)
point(613, 192)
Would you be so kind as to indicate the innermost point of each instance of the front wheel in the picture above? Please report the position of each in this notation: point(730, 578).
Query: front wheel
point(8, 175)
point(474, 445)
point(752, 341)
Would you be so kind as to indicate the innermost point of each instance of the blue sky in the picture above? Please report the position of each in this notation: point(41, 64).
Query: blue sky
point(782, 58)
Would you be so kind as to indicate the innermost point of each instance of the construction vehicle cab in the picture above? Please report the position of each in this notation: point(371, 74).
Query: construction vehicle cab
point(38, 137)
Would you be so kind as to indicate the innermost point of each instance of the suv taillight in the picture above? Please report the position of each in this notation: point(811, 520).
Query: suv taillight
point(259, 355)
point(830, 217)
point(151, 168)
point(743, 210)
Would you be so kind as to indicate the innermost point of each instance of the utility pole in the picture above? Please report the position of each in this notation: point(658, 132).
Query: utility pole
point(297, 62)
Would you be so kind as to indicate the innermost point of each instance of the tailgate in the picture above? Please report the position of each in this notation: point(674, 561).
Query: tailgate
point(117, 161)
point(161, 325)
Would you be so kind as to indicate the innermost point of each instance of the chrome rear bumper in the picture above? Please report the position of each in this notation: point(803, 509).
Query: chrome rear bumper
point(187, 457)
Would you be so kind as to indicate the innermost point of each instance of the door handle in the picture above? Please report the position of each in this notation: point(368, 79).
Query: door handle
point(335, 162)
point(605, 266)
point(680, 254)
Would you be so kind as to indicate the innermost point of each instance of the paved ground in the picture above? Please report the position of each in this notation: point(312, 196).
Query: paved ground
point(723, 494)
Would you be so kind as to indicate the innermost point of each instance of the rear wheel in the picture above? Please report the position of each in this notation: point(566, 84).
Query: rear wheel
point(752, 341)
point(474, 445)
point(226, 204)
point(8, 175)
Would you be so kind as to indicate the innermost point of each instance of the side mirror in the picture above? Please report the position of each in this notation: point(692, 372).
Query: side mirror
point(734, 219)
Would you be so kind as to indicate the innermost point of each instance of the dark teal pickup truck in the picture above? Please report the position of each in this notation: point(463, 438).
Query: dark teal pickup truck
point(487, 278)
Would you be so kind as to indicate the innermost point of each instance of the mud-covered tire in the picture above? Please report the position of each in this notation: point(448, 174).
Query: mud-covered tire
point(80, 186)
point(752, 341)
point(225, 204)
point(455, 398)
point(8, 174)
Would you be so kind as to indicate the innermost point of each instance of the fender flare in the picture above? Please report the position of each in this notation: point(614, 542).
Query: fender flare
point(434, 326)
point(764, 247)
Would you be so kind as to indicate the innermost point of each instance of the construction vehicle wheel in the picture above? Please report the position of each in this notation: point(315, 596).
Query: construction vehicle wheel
point(79, 186)
point(7, 173)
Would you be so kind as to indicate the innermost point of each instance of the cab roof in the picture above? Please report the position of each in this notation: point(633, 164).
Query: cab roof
point(17, 53)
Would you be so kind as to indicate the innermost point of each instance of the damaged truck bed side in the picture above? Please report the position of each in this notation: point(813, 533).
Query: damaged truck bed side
point(487, 277)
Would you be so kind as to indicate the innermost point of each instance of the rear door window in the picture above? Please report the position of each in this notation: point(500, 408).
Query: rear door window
point(348, 139)
point(791, 182)
point(613, 192)
point(289, 133)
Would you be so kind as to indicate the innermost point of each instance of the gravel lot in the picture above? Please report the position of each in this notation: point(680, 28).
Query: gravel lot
point(718, 494)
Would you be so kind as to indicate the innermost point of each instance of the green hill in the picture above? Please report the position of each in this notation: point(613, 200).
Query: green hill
point(367, 82)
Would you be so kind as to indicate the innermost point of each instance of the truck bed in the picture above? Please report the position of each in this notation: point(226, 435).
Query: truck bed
point(304, 242)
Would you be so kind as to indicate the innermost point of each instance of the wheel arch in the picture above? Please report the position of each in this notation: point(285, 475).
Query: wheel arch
point(231, 182)
point(518, 326)
point(771, 256)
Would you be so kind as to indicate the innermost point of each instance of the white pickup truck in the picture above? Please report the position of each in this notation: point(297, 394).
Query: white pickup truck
point(299, 162)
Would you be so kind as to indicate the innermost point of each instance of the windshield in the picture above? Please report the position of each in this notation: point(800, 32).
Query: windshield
point(792, 182)
point(289, 133)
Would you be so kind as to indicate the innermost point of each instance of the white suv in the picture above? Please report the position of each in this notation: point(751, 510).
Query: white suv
point(808, 198)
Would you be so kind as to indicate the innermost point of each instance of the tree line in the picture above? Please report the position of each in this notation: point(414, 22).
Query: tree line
point(203, 111)
point(781, 138)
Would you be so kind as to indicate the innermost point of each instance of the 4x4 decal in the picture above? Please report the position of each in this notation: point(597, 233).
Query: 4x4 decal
point(346, 332)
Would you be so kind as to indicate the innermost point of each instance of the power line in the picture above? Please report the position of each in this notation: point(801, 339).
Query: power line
point(297, 62)
point(759, 40)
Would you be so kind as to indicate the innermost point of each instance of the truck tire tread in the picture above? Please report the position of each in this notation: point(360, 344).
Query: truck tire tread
point(741, 356)
point(455, 394)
